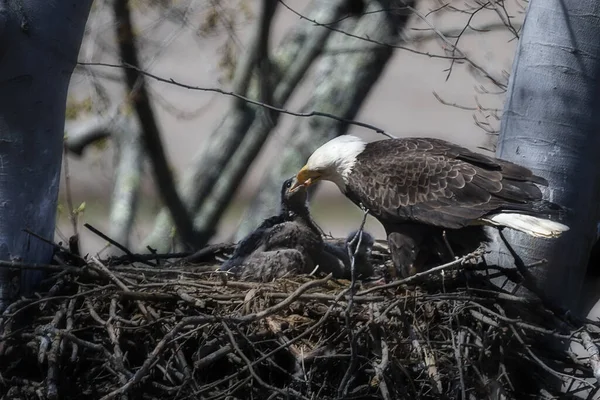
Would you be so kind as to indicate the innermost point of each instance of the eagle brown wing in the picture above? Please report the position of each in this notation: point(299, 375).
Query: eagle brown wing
point(438, 183)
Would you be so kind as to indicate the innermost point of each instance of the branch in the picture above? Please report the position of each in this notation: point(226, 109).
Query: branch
point(248, 100)
point(592, 350)
point(420, 275)
point(81, 134)
point(430, 34)
point(128, 177)
point(196, 320)
point(151, 135)
point(366, 38)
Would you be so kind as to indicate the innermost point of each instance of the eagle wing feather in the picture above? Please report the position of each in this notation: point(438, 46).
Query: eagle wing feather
point(436, 182)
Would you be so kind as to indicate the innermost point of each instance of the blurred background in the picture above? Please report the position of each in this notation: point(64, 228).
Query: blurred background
point(423, 68)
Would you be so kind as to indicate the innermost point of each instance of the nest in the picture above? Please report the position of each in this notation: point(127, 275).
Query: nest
point(121, 329)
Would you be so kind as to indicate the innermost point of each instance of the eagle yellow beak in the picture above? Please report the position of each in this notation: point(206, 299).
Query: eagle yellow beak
point(305, 177)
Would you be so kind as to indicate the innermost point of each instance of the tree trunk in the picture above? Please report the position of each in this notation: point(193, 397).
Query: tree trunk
point(551, 124)
point(343, 82)
point(38, 52)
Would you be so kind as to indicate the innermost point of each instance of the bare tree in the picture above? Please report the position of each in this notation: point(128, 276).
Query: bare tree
point(550, 124)
point(39, 50)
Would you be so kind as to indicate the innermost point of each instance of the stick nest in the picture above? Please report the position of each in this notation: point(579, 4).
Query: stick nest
point(126, 330)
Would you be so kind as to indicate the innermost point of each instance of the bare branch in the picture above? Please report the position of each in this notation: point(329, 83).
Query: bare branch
point(128, 177)
point(248, 100)
point(81, 134)
point(367, 38)
point(592, 350)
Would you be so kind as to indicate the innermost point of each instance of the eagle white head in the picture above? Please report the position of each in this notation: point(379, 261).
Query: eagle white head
point(333, 161)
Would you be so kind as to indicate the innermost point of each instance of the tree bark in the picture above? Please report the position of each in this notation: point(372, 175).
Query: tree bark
point(551, 124)
point(39, 44)
point(341, 85)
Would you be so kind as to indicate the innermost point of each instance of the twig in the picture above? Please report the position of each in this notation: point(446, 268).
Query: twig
point(113, 334)
point(246, 99)
point(380, 370)
point(118, 245)
point(458, 355)
point(453, 264)
point(141, 372)
point(53, 354)
point(545, 367)
point(98, 266)
point(109, 240)
point(285, 303)
point(206, 252)
point(251, 369)
point(69, 327)
point(74, 256)
point(72, 213)
point(345, 383)
point(129, 258)
point(592, 350)
point(428, 358)
point(366, 39)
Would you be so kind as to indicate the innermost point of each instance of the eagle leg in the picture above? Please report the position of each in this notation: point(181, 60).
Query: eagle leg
point(404, 249)
point(447, 244)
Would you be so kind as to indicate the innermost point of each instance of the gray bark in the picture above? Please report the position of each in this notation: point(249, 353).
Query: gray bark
point(551, 124)
point(199, 180)
point(39, 44)
point(342, 83)
point(127, 136)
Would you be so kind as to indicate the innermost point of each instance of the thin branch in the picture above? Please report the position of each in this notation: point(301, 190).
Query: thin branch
point(453, 264)
point(345, 383)
point(592, 350)
point(248, 100)
point(366, 39)
point(80, 135)
point(251, 368)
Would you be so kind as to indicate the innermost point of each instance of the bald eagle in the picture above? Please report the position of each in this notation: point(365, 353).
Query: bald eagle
point(432, 194)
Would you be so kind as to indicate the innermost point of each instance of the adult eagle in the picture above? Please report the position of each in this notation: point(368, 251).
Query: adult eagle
point(431, 196)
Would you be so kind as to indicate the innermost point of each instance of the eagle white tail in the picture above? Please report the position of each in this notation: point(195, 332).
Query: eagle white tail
point(534, 226)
